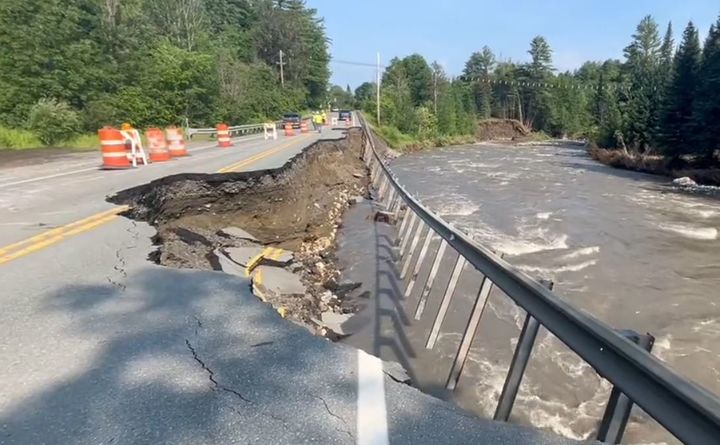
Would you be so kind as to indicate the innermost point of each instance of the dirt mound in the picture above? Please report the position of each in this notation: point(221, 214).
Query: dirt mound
point(296, 207)
point(500, 129)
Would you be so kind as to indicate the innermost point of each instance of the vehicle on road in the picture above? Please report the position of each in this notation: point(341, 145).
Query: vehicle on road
point(345, 115)
point(292, 118)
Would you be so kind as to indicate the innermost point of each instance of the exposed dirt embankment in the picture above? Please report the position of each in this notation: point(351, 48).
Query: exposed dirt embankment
point(297, 207)
point(658, 165)
point(500, 129)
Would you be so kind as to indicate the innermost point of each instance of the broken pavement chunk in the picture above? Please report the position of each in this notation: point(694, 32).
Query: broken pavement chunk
point(277, 282)
point(277, 257)
point(335, 321)
point(227, 265)
point(247, 257)
point(236, 232)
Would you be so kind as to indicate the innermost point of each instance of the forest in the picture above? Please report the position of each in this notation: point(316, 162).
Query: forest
point(68, 67)
point(663, 98)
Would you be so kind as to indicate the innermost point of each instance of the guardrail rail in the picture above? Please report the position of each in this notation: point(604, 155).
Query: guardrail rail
point(238, 130)
point(688, 411)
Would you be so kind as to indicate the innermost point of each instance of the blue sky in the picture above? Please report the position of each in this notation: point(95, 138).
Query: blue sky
point(448, 31)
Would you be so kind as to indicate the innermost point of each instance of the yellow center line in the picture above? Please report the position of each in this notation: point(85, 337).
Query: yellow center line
point(53, 236)
point(245, 162)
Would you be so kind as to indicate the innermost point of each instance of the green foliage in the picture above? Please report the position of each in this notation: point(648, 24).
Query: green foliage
point(643, 66)
point(15, 139)
point(341, 98)
point(706, 115)
point(157, 62)
point(53, 121)
point(677, 130)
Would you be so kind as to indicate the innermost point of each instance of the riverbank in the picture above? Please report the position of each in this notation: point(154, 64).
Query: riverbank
point(653, 164)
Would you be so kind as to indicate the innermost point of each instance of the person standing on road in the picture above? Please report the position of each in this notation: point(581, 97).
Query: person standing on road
point(317, 122)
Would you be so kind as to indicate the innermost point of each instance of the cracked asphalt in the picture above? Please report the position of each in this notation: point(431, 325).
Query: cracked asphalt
point(100, 346)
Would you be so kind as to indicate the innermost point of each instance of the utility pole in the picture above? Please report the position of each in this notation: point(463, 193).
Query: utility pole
point(435, 80)
point(377, 88)
point(282, 70)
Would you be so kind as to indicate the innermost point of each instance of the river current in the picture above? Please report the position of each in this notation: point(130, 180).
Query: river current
point(629, 248)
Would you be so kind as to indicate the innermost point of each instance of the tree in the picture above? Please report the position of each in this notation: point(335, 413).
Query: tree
point(667, 51)
point(415, 72)
point(534, 109)
point(643, 61)
point(706, 115)
point(677, 130)
point(365, 93)
point(477, 71)
point(341, 98)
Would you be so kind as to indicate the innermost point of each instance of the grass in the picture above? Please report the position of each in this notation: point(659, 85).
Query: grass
point(18, 139)
point(83, 142)
point(13, 139)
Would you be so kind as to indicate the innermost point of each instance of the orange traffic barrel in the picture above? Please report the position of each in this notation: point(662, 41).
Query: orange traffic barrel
point(289, 130)
point(112, 146)
point(176, 142)
point(157, 145)
point(223, 136)
point(304, 127)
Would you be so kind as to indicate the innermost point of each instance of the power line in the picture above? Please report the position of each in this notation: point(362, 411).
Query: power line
point(350, 62)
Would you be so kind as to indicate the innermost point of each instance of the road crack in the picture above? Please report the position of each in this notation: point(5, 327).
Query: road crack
point(211, 375)
point(327, 408)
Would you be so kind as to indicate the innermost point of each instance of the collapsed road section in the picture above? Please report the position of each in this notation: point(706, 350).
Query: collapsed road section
point(276, 227)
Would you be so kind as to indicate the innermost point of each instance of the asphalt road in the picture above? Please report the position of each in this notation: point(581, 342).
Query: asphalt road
point(100, 346)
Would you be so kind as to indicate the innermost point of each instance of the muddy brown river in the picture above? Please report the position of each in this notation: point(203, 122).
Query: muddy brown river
point(631, 249)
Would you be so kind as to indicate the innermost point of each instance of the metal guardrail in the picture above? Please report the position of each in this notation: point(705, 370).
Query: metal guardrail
point(238, 130)
point(686, 410)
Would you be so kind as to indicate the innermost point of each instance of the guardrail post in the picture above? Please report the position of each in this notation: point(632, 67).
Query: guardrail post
point(445, 304)
point(409, 234)
point(427, 287)
point(469, 334)
point(406, 219)
point(418, 264)
point(519, 362)
point(617, 413)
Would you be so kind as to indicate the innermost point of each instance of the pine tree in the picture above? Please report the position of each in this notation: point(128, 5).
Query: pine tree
point(666, 55)
point(707, 104)
point(477, 72)
point(677, 130)
point(643, 57)
point(535, 97)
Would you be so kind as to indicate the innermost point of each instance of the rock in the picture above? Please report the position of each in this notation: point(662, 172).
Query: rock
point(335, 322)
point(384, 217)
point(326, 297)
point(245, 256)
point(236, 232)
point(685, 182)
point(356, 200)
point(358, 175)
point(320, 267)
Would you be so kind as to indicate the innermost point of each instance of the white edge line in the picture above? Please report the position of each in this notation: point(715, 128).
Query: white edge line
point(97, 168)
point(42, 178)
point(372, 428)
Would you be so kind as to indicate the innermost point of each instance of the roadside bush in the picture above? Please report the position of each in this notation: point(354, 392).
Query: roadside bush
point(17, 139)
point(53, 121)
